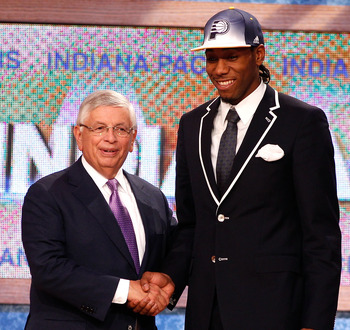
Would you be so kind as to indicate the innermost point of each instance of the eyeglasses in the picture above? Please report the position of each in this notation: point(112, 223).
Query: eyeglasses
point(102, 130)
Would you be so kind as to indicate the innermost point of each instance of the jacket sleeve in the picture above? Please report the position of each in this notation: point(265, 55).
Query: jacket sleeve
point(53, 271)
point(315, 190)
point(177, 263)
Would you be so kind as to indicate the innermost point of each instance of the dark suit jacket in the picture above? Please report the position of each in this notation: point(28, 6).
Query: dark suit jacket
point(274, 233)
point(77, 253)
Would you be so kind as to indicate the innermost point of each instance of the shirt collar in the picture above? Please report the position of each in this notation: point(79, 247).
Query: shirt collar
point(122, 180)
point(247, 107)
point(99, 179)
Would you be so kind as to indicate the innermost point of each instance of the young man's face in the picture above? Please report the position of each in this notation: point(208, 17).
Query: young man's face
point(234, 71)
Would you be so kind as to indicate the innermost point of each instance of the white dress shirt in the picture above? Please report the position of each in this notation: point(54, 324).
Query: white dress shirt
point(245, 109)
point(128, 200)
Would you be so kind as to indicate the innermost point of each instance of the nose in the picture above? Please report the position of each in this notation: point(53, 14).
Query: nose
point(221, 67)
point(110, 136)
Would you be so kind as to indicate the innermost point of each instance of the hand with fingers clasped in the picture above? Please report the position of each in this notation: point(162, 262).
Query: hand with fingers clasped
point(151, 294)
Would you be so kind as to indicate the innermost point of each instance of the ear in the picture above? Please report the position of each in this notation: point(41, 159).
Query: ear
point(260, 54)
point(133, 140)
point(78, 137)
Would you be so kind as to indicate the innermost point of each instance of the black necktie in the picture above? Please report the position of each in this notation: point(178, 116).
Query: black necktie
point(227, 150)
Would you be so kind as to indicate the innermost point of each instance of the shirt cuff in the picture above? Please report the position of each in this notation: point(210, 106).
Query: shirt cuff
point(121, 294)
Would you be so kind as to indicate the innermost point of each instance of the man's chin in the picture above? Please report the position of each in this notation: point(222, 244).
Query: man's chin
point(228, 100)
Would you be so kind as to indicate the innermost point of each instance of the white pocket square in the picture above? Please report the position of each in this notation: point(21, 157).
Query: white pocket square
point(270, 152)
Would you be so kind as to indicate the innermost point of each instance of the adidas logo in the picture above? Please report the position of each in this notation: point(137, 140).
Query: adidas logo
point(256, 40)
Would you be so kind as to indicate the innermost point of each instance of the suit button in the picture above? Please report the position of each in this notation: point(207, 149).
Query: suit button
point(221, 217)
point(213, 259)
point(129, 327)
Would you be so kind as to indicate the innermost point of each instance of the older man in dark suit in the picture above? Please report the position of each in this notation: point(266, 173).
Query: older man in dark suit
point(91, 230)
point(259, 240)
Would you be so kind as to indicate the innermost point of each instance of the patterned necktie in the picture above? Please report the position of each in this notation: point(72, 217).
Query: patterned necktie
point(123, 218)
point(227, 150)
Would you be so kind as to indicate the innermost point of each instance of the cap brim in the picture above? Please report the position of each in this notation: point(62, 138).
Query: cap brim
point(218, 47)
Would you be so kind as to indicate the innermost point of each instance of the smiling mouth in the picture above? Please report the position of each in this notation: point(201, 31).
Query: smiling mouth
point(225, 83)
point(109, 151)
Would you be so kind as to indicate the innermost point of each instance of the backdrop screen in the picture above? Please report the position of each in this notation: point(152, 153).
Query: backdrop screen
point(46, 71)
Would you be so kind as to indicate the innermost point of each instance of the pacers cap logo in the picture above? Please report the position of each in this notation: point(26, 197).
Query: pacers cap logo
point(218, 27)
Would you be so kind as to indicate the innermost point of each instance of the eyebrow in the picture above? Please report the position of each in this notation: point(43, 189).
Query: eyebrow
point(102, 123)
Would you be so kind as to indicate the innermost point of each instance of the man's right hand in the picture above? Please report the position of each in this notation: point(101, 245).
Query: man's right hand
point(162, 280)
point(153, 297)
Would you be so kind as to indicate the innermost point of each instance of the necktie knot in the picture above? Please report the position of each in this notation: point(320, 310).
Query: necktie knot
point(112, 185)
point(232, 115)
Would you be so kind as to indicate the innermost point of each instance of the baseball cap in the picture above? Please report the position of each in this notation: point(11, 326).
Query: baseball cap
point(232, 28)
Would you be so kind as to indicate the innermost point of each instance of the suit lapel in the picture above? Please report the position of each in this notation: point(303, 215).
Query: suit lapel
point(86, 190)
point(263, 119)
point(206, 127)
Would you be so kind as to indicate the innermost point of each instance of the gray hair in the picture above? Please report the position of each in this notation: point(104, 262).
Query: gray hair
point(105, 98)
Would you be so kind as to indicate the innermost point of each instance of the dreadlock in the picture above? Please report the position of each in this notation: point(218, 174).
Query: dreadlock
point(264, 74)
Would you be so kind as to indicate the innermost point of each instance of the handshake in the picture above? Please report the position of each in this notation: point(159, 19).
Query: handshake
point(150, 295)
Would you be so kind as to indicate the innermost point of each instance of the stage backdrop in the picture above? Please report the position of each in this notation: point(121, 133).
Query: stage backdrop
point(47, 70)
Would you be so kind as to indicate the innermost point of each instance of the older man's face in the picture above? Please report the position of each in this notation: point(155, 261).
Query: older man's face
point(106, 153)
